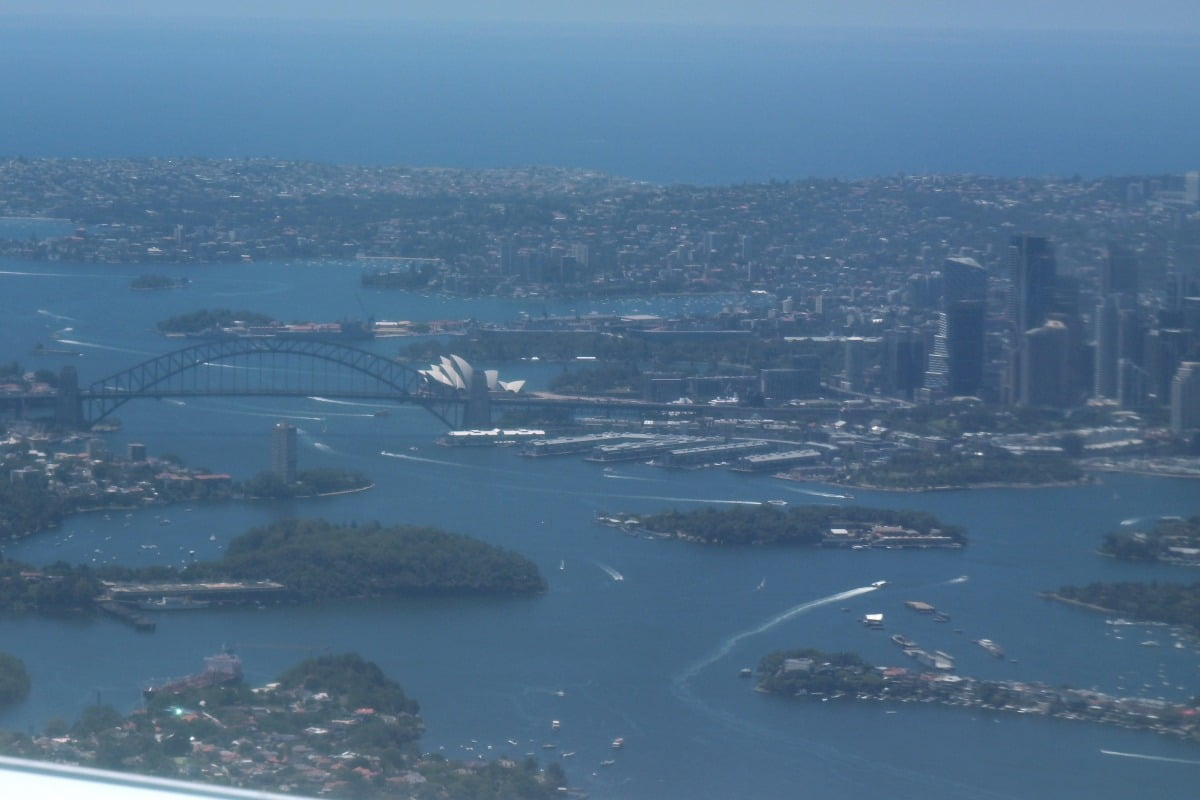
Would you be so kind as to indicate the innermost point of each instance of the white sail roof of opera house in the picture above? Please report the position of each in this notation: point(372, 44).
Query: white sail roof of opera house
point(456, 372)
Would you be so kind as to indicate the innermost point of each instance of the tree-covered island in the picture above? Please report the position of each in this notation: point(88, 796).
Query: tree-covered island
point(1173, 540)
point(824, 526)
point(810, 673)
point(331, 726)
point(312, 560)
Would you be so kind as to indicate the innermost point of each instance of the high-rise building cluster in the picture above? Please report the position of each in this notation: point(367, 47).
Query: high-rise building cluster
point(1038, 337)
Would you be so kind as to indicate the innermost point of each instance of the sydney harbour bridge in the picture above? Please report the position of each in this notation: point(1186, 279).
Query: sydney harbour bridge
point(454, 392)
point(277, 367)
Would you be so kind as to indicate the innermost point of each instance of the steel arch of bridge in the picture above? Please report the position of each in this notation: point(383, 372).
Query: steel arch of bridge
point(269, 367)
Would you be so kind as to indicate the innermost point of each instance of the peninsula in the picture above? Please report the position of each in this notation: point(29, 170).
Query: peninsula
point(333, 726)
point(1170, 540)
point(810, 673)
point(1170, 603)
point(291, 561)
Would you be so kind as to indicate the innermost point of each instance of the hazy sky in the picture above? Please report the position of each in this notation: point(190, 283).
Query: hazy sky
point(1178, 16)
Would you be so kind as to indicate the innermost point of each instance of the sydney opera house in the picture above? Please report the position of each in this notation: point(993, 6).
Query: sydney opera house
point(453, 372)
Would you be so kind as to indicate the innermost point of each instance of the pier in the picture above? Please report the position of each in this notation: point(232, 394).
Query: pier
point(219, 592)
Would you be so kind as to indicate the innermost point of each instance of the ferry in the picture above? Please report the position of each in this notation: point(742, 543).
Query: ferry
point(991, 647)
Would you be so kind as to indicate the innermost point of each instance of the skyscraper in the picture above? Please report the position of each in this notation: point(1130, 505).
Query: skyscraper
point(1119, 272)
point(1185, 398)
point(1046, 374)
point(937, 371)
point(903, 362)
point(965, 347)
point(964, 303)
point(1105, 374)
point(283, 452)
point(1033, 272)
point(963, 279)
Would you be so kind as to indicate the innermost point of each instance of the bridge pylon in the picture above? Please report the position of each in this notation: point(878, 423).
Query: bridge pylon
point(68, 406)
point(477, 414)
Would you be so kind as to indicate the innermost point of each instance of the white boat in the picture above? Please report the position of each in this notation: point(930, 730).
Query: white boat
point(779, 503)
point(618, 743)
point(554, 725)
point(991, 647)
point(879, 584)
point(761, 585)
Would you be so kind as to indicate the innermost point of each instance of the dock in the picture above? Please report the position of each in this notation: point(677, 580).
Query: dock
point(217, 592)
point(127, 614)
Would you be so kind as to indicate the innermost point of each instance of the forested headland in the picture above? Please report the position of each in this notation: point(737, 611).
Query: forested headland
point(313, 558)
point(14, 680)
point(1171, 539)
point(923, 471)
point(1172, 603)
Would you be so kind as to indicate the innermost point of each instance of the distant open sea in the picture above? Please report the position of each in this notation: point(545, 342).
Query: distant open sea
point(659, 104)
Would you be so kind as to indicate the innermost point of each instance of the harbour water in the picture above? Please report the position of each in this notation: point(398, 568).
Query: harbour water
point(636, 638)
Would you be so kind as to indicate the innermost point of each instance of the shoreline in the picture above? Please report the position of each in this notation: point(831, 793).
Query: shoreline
point(866, 487)
point(1058, 598)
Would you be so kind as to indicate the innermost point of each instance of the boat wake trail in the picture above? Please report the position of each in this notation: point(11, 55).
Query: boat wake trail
point(727, 646)
point(687, 499)
point(632, 478)
point(457, 464)
point(1151, 758)
point(240, 410)
point(50, 275)
point(351, 403)
point(959, 579)
point(612, 573)
point(50, 314)
point(813, 493)
point(96, 346)
point(1131, 521)
point(406, 457)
